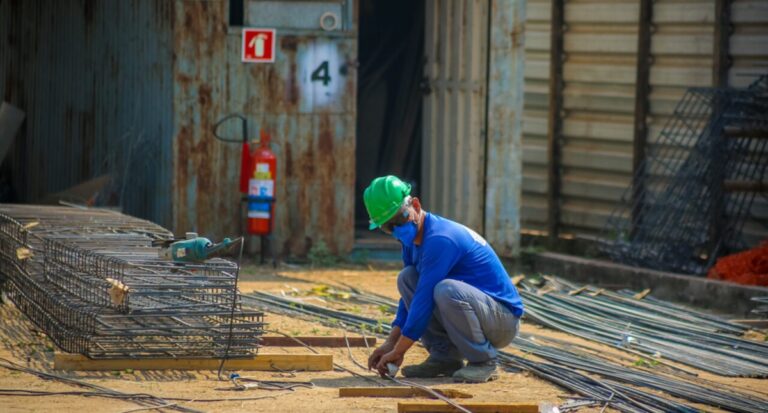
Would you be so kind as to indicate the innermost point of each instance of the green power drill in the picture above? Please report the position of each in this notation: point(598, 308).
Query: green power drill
point(193, 249)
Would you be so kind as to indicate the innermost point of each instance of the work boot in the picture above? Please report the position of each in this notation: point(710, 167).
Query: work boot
point(432, 368)
point(477, 372)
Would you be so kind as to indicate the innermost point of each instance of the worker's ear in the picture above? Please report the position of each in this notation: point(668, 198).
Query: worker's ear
point(416, 204)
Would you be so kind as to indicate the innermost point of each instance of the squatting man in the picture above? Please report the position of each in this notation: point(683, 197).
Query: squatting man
point(455, 294)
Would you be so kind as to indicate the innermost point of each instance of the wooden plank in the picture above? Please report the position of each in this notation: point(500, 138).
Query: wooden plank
point(721, 43)
point(745, 186)
point(315, 341)
point(754, 323)
point(261, 362)
point(578, 290)
point(478, 407)
point(84, 192)
point(554, 133)
point(397, 391)
point(739, 132)
point(598, 292)
point(642, 294)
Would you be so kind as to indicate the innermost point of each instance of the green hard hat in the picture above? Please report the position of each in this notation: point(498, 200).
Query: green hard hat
point(383, 198)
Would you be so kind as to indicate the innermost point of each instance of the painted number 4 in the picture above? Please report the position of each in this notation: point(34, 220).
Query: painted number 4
point(322, 74)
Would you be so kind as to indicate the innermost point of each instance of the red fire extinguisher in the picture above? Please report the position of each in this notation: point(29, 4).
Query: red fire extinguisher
point(261, 188)
point(258, 169)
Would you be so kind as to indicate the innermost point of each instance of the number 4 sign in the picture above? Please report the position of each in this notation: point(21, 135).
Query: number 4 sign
point(258, 45)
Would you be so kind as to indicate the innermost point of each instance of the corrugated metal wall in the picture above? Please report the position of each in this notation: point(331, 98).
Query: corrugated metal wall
point(598, 101)
point(94, 78)
point(599, 74)
point(749, 41)
point(312, 126)
point(453, 146)
point(537, 29)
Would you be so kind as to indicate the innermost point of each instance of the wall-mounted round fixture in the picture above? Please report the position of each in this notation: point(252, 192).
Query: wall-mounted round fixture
point(329, 21)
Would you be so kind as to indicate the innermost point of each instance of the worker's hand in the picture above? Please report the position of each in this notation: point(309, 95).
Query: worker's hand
point(383, 349)
point(395, 357)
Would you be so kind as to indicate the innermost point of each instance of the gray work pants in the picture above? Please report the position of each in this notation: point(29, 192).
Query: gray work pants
point(466, 323)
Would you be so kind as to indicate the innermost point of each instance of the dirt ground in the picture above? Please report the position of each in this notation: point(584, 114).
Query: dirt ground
point(23, 344)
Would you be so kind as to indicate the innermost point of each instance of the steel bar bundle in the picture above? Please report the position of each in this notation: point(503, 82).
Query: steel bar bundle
point(567, 365)
point(93, 282)
point(694, 189)
point(653, 330)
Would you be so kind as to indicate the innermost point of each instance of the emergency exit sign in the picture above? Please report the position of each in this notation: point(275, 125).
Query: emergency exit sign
point(258, 45)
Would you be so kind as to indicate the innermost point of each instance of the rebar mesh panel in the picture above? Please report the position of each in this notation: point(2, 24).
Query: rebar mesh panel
point(678, 215)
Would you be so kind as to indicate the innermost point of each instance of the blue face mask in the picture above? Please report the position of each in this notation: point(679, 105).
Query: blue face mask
point(406, 233)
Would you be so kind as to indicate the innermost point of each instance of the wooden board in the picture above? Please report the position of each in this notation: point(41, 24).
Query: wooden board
point(280, 341)
point(263, 362)
point(754, 323)
point(478, 407)
point(397, 391)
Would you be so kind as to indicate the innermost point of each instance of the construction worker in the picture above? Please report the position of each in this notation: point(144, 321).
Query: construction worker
point(455, 294)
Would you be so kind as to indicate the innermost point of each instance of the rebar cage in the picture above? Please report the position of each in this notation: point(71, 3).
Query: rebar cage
point(93, 282)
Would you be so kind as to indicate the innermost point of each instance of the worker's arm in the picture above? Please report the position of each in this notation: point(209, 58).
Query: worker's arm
point(395, 356)
point(437, 260)
point(385, 348)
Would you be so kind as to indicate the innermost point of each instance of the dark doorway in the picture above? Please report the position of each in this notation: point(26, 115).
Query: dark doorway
point(391, 56)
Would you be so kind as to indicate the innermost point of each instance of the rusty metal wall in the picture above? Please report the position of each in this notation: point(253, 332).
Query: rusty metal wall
point(599, 94)
point(312, 127)
point(453, 146)
point(94, 78)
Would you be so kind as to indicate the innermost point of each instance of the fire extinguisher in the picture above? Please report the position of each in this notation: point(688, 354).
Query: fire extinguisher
point(258, 169)
point(258, 173)
point(261, 188)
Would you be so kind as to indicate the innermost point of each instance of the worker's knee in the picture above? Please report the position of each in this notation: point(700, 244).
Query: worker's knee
point(407, 279)
point(447, 290)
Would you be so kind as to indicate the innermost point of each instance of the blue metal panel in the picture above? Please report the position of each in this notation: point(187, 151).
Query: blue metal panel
point(503, 187)
point(95, 78)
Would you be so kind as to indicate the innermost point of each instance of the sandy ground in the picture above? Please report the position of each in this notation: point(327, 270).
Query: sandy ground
point(23, 344)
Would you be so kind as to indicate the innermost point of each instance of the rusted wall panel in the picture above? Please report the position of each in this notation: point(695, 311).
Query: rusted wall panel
point(94, 78)
point(312, 127)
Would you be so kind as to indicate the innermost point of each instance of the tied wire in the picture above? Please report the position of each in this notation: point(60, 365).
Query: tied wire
point(234, 307)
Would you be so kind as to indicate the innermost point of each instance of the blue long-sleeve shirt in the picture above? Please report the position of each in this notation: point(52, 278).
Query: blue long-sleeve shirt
point(451, 250)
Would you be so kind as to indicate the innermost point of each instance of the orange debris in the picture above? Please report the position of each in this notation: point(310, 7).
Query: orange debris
point(748, 267)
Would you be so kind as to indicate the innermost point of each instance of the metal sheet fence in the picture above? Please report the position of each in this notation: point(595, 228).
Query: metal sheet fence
point(599, 97)
point(95, 81)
